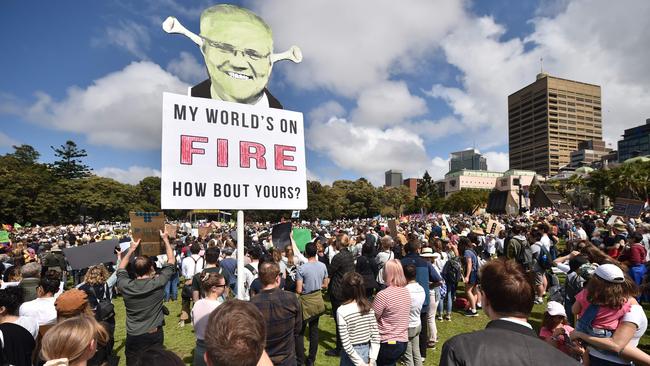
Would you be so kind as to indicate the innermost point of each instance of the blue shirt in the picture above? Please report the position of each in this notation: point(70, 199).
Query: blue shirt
point(424, 274)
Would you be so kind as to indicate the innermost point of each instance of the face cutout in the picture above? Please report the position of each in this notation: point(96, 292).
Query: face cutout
point(237, 52)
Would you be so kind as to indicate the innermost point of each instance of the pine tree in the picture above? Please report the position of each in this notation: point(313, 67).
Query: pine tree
point(69, 165)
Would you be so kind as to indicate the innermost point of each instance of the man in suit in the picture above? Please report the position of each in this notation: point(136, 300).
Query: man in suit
point(508, 339)
point(238, 49)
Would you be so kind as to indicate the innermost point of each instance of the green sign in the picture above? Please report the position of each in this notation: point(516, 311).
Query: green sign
point(4, 236)
point(301, 237)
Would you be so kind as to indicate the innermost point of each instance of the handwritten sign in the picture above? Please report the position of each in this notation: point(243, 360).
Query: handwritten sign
point(231, 156)
point(146, 226)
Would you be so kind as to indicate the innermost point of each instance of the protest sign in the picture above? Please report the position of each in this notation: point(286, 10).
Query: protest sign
point(146, 226)
point(171, 230)
point(280, 235)
point(231, 156)
point(301, 237)
point(91, 254)
point(612, 220)
point(444, 219)
point(627, 207)
point(492, 227)
point(392, 227)
point(204, 231)
point(295, 214)
point(4, 236)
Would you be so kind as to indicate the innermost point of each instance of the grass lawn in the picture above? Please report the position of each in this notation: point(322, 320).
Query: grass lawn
point(181, 340)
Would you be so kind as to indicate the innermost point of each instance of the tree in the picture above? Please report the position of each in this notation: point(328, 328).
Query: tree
point(149, 194)
point(25, 154)
point(69, 165)
point(466, 200)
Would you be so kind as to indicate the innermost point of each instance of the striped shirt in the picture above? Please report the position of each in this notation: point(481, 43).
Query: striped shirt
point(355, 329)
point(392, 307)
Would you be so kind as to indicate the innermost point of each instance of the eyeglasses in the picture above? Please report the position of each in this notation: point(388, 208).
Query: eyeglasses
point(224, 285)
point(228, 48)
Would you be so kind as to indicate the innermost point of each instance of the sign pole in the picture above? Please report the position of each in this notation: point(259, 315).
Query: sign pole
point(240, 255)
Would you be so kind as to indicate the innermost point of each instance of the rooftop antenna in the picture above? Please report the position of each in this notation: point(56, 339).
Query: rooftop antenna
point(541, 65)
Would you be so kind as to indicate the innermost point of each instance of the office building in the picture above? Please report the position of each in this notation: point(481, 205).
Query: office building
point(588, 153)
point(636, 142)
point(393, 178)
point(467, 159)
point(548, 119)
point(412, 184)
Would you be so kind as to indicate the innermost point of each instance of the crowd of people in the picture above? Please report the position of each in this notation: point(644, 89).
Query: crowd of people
point(391, 286)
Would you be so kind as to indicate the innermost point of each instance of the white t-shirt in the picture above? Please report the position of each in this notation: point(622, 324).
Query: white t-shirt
point(41, 309)
point(546, 241)
point(635, 316)
point(190, 268)
point(417, 300)
point(28, 323)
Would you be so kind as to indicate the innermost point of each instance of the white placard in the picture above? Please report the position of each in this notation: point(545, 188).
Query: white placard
point(222, 155)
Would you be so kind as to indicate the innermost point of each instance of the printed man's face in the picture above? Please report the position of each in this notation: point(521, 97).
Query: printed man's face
point(237, 54)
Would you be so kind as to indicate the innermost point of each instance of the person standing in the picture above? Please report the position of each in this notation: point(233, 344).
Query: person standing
point(310, 279)
point(392, 308)
point(213, 285)
point(508, 339)
point(143, 299)
point(282, 315)
point(412, 355)
point(190, 266)
point(342, 263)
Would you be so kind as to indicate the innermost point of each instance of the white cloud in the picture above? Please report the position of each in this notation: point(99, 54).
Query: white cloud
point(367, 150)
point(132, 175)
point(129, 35)
point(350, 46)
point(121, 109)
point(497, 161)
point(387, 104)
point(187, 68)
point(438, 167)
point(6, 141)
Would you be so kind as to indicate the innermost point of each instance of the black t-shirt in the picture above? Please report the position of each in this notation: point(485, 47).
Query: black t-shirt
point(17, 345)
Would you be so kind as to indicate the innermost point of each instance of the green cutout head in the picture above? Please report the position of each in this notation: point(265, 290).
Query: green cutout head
point(237, 48)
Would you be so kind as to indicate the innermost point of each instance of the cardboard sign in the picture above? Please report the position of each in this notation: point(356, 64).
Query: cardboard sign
point(231, 156)
point(204, 231)
point(392, 227)
point(4, 236)
point(492, 228)
point(146, 226)
point(91, 254)
point(301, 237)
point(280, 235)
point(628, 207)
point(171, 230)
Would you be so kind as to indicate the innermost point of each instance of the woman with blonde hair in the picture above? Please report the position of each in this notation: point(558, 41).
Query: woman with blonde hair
point(100, 294)
point(392, 308)
point(73, 341)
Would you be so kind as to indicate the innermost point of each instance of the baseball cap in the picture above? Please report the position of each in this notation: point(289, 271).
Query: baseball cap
point(610, 273)
point(554, 308)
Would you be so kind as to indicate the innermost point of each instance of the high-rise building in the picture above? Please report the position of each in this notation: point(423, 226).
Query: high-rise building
point(588, 152)
point(467, 159)
point(636, 142)
point(548, 118)
point(393, 178)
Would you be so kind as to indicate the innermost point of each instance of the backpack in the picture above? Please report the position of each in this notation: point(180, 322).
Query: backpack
point(452, 271)
point(544, 258)
point(524, 255)
point(105, 308)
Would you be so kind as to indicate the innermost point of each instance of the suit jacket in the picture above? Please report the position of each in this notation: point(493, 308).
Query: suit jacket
point(502, 343)
point(202, 90)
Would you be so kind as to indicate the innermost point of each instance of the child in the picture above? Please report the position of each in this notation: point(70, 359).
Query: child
point(604, 301)
point(555, 331)
point(357, 324)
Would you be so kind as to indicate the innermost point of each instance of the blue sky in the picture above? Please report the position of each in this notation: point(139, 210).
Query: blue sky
point(382, 85)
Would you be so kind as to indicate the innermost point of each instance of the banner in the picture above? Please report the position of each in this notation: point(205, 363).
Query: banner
point(146, 226)
point(91, 254)
point(301, 237)
point(627, 207)
point(280, 235)
point(231, 156)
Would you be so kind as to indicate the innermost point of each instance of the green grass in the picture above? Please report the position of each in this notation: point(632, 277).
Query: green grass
point(181, 340)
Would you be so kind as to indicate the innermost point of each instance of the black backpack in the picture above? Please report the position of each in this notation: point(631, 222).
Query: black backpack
point(524, 255)
point(452, 271)
point(105, 308)
point(544, 258)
